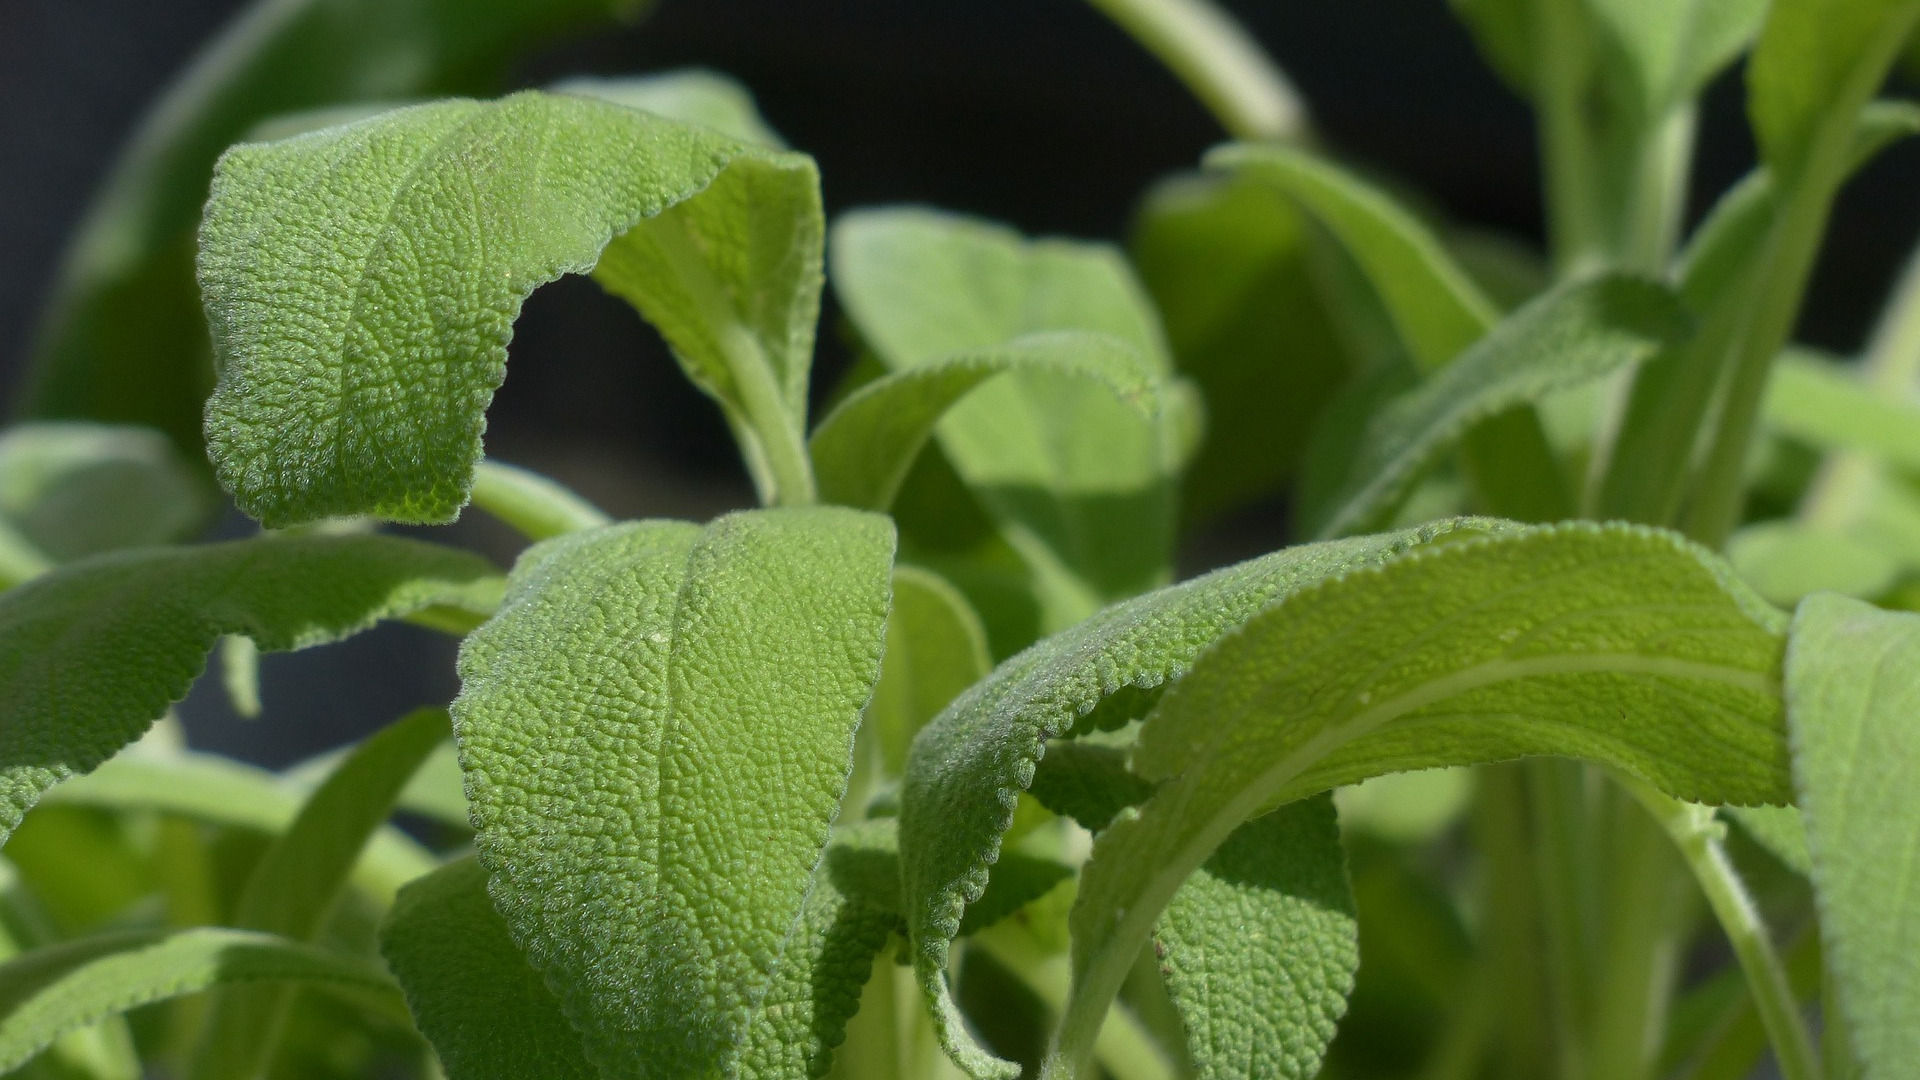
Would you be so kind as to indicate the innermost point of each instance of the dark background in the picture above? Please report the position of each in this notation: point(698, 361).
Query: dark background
point(1035, 112)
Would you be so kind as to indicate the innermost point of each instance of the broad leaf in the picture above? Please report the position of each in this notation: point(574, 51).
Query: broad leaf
point(1615, 644)
point(362, 283)
point(1570, 336)
point(1853, 691)
point(74, 489)
point(936, 648)
point(863, 450)
point(139, 624)
point(694, 95)
point(125, 337)
point(487, 1012)
point(1786, 561)
point(656, 731)
point(1818, 62)
point(1077, 480)
point(294, 886)
point(60, 988)
point(1259, 947)
point(968, 767)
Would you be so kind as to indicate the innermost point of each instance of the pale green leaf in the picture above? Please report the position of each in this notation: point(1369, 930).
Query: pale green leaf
point(1617, 644)
point(1572, 335)
point(1832, 408)
point(125, 338)
point(362, 282)
point(968, 766)
point(1779, 829)
point(656, 731)
point(1786, 561)
point(1818, 62)
point(92, 653)
point(76, 489)
point(694, 95)
point(57, 989)
point(296, 883)
point(1853, 691)
point(487, 1012)
point(863, 450)
point(1260, 945)
point(1076, 479)
point(936, 648)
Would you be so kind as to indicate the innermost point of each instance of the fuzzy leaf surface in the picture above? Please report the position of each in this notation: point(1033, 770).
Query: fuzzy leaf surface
point(1853, 692)
point(656, 731)
point(968, 767)
point(362, 283)
point(1617, 644)
point(139, 624)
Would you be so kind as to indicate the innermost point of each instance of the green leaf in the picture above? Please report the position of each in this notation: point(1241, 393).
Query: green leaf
point(1853, 689)
point(76, 489)
point(1616, 644)
point(1779, 829)
point(1504, 31)
point(1570, 336)
point(295, 885)
point(1089, 782)
point(693, 95)
point(936, 648)
point(1259, 947)
point(656, 730)
point(1818, 62)
point(487, 1012)
point(968, 766)
point(1832, 408)
point(362, 283)
point(139, 624)
point(1076, 479)
point(1672, 47)
point(60, 988)
point(1786, 561)
point(1229, 267)
point(863, 450)
point(125, 338)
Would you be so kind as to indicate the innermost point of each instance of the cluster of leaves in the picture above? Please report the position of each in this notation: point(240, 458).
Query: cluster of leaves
point(938, 699)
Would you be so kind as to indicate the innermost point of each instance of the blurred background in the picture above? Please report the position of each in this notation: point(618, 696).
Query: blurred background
point(1038, 113)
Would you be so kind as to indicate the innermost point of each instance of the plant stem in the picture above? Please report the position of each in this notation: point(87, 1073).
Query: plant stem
point(1645, 916)
point(1697, 835)
point(536, 507)
point(1569, 161)
point(1219, 62)
point(1122, 1047)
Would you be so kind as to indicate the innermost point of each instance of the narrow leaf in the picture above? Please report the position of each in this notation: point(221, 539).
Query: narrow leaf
point(362, 282)
point(863, 450)
point(1572, 335)
point(1830, 407)
point(936, 648)
point(1853, 691)
point(1817, 63)
point(1616, 644)
point(968, 767)
point(656, 731)
point(1259, 947)
point(60, 988)
point(140, 624)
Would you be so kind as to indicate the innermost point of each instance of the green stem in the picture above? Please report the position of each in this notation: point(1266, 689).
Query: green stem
point(1569, 160)
point(1697, 835)
point(1122, 1046)
point(1558, 828)
point(1220, 63)
point(1663, 159)
point(1640, 943)
point(536, 507)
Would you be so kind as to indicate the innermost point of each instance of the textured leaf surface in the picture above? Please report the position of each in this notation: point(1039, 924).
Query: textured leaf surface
point(656, 731)
point(487, 1012)
point(1853, 692)
point(74, 489)
point(1260, 945)
point(1617, 644)
point(126, 338)
point(297, 882)
point(362, 283)
point(1077, 479)
point(1575, 334)
point(863, 450)
point(91, 654)
point(57, 989)
point(1817, 63)
point(968, 767)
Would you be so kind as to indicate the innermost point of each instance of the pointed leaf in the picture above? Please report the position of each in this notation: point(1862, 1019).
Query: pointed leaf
point(1572, 335)
point(1853, 691)
point(91, 654)
point(968, 767)
point(863, 450)
point(1259, 947)
point(1617, 644)
point(656, 731)
point(60, 988)
point(362, 282)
